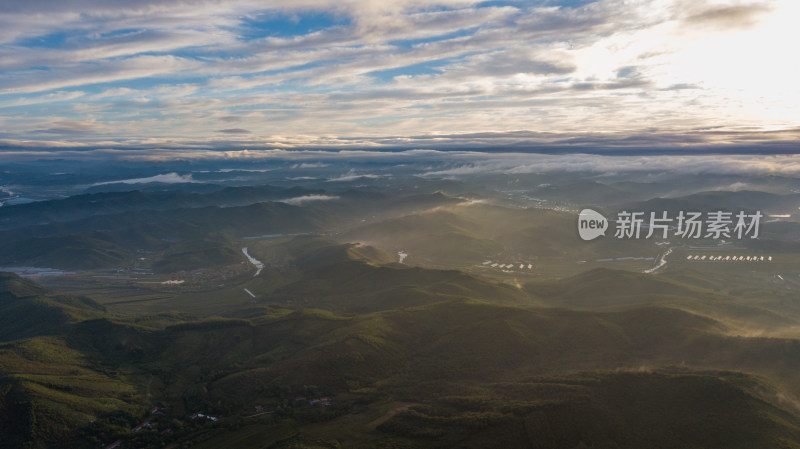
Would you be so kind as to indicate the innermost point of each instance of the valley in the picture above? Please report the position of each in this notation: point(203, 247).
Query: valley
point(433, 318)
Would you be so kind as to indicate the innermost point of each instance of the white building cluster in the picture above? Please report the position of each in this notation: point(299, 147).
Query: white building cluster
point(716, 258)
point(507, 266)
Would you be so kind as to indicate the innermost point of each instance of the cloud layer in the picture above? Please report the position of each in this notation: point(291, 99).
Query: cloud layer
point(197, 75)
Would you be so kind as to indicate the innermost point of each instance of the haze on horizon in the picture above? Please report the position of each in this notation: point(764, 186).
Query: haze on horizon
point(188, 75)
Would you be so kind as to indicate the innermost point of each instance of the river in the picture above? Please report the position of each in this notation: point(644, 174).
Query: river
point(661, 262)
point(259, 265)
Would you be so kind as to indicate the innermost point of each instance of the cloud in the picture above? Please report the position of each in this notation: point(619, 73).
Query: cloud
point(599, 164)
point(455, 162)
point(248, 170)
point(115, 46)
point(349, 73)
point(353, 176)
point(47, 98)
point(103, 71)
point(71, 127)
point(314, 149)
point(517, 61)
point(167, 178)
point(310, 165)
point(296, 201)
point(728, 16)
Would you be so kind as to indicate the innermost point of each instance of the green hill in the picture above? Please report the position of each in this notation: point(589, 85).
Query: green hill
point(437, 237)
point(410, 357)
point(589, 192)
point(27, 309)
point(478, 372)
point(603, 287)
point(52, 396)
point(107, 203)
point(714, 296)
point(743, 200)
point(356, 278)
point(623, 410)
point(185, 256)
point(106, 241)
point(65, 252)
point(468, 234)
point(13, 286)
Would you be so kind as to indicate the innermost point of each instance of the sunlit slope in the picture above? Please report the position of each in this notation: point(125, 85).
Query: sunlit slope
point(356, 278)
point(605, 289)
point(472, 233)
point(439, 236)
point(588, 192)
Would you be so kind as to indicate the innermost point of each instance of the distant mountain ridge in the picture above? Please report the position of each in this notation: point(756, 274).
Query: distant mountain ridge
point(105, 203)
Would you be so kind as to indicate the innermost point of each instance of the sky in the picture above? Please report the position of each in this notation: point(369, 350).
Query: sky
point(176, 76)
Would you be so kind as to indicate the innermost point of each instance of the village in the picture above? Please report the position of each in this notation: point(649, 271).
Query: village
point(507, 267)
point(156, 420)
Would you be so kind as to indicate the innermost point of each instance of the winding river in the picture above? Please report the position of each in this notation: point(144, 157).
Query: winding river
point(259, 265)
